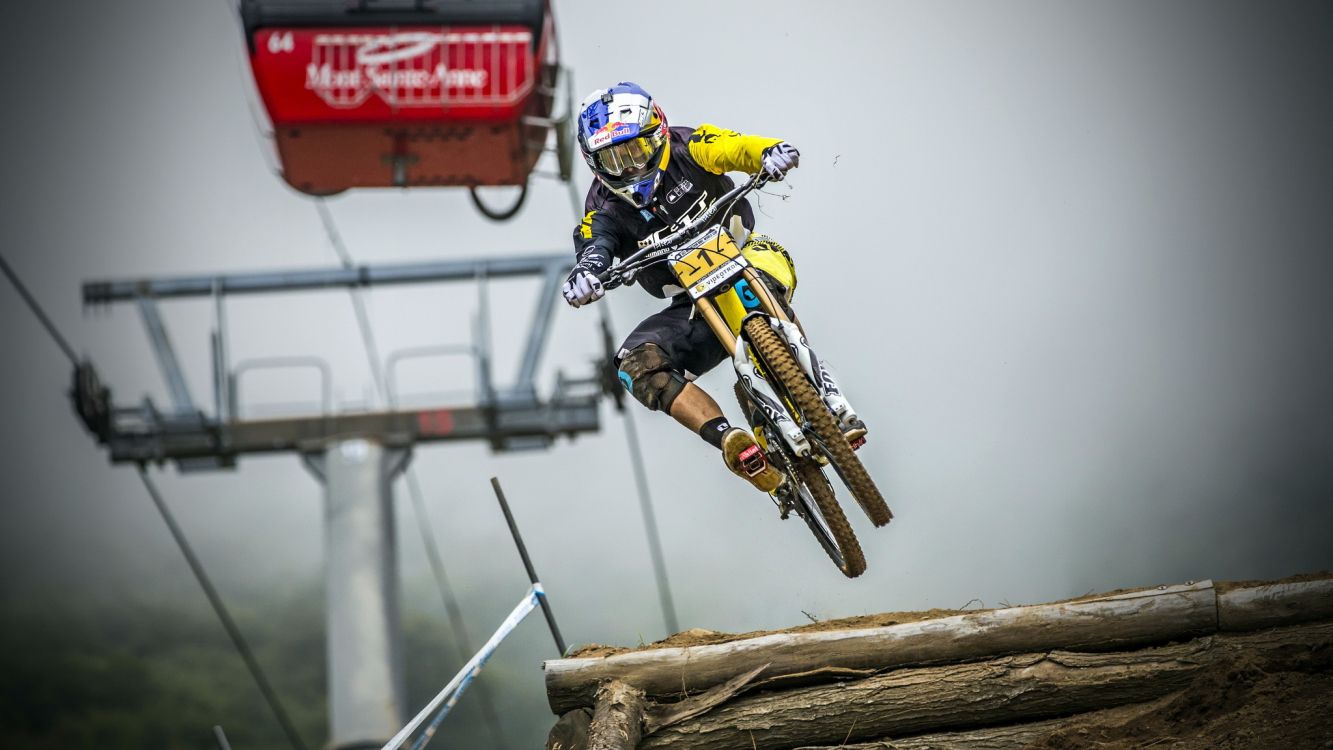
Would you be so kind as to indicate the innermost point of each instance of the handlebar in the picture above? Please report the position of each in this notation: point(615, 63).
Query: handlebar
point(624, 271)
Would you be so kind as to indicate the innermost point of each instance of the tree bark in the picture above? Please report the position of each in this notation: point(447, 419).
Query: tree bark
point(1022, 688)
point(570, 731)
point(1115, 622)
point(617, 719)
point(1006, 737)
point(1275, 604)
point(658, 717)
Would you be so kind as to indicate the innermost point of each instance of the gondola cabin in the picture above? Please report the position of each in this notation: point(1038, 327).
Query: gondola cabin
point(365, 93)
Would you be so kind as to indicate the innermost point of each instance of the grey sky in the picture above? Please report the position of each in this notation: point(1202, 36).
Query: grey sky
point(1071, 260)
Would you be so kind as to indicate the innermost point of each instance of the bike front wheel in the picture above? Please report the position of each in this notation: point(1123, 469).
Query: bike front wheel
point(783, 368)
point(813, 500)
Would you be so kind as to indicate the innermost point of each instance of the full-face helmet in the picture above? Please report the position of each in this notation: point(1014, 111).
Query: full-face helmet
point(624, 138)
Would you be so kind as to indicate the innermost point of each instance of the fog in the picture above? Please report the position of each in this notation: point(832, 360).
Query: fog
point(1072, 262)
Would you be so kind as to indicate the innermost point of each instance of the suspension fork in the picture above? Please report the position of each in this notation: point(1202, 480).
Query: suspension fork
point(818, 371)
point(754, 384)
point(764, 397)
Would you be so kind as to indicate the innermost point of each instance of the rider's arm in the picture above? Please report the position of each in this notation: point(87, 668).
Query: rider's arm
point(720, 151)
point(595, 241)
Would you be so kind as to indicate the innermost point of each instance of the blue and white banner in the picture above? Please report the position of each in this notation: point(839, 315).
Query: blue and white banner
point(449, 695)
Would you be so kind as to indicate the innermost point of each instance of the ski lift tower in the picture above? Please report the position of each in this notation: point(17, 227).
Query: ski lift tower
point(356, 455)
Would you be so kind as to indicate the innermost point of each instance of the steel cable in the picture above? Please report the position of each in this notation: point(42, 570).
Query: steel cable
point(228, 623)
point(196, 566)
point(41, 314)
point(665, 599)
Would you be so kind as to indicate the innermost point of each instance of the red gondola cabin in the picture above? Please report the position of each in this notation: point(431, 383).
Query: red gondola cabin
point(377, 94)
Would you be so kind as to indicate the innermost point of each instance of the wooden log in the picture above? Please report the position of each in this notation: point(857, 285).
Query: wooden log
point(570, 731)
point(1277, 604)
point(1114, 622)
point(657, 717)
point(617, 718)
point(1027, 687)
point(1005, 737)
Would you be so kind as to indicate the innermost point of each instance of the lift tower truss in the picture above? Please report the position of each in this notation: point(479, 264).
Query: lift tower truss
point(356, 455)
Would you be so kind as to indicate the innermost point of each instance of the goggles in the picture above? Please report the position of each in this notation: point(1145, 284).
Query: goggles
point(630, 157)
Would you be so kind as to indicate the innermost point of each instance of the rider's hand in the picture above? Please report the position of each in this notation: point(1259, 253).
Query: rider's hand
point(779, 159)
point(583, 288)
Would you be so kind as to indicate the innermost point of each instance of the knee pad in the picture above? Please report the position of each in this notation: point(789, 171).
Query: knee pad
point(650, 377)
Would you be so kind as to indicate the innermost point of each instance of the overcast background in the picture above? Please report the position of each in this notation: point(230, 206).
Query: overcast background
point(1071, 260)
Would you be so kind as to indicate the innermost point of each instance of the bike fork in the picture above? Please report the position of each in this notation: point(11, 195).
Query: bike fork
point(768, 402)
point(819, 373)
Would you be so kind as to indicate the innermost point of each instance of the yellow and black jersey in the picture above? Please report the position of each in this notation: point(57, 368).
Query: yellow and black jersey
point(694, 177)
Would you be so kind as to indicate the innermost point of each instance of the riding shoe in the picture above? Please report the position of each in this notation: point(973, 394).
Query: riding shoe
point(747, 460)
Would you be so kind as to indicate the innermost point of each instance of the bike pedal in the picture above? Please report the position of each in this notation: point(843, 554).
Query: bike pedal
point(752, 460)
point(856, 434)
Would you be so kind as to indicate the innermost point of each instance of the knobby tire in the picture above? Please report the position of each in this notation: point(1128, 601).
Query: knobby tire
point(817, 415)
point(853, 559)
point(780, 364)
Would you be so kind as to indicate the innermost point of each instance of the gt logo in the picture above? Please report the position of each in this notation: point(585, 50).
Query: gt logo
point(700, 205)
point(679, 190)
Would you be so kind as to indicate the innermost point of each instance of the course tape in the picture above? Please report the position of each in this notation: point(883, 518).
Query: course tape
point(449, 695)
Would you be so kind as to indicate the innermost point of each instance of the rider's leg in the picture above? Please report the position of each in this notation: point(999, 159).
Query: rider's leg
point(657, 383)
point(694, 408)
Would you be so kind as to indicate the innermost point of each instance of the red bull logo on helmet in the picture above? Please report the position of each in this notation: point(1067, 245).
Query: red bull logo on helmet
point(611, 133)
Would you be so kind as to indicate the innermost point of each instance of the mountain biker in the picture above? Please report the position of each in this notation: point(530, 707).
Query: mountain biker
point(650, 179)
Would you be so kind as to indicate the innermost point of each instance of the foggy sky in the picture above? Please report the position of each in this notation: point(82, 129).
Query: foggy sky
point(1070, 259)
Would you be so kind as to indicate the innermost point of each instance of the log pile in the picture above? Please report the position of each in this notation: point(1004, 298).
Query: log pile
point(981, 679)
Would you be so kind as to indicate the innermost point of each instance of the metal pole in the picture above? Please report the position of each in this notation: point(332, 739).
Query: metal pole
point(95, 292)
point(527, 563)
point(366, 687)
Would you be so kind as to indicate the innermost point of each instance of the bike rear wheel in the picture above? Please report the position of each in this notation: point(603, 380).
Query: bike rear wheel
point(783, 368)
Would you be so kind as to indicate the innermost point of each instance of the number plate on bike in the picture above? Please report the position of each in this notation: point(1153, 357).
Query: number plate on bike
point(712, 260)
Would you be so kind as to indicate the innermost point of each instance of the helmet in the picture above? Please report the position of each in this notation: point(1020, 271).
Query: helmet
point(624, 138)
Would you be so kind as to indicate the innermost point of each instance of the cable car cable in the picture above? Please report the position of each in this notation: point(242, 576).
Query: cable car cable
point(460, 639)
point(256, 671)
point(655, 553)
point(665, 599)
point(462, 643)
point(228, 624)
point(358, 302)
point(41, 314)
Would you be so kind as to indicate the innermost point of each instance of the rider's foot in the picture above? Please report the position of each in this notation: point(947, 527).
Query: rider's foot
point(855, 433)
point(747, 460)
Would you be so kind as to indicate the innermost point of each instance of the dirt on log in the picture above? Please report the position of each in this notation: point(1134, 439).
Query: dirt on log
point(1013, 689)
